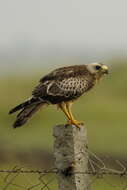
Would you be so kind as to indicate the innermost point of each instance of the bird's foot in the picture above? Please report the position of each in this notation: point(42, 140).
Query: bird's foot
point(75, 122)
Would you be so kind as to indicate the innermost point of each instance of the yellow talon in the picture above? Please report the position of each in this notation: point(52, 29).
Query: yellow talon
point(65, 107)
point(76, 123)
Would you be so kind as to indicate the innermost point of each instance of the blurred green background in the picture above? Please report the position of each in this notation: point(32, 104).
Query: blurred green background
point(103, 110)
point(39, 36)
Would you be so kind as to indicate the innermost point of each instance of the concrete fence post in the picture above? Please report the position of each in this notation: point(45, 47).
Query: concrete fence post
point(71, 157)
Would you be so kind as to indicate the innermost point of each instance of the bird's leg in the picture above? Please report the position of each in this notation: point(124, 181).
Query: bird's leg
point(72, 120)
point(63, 107)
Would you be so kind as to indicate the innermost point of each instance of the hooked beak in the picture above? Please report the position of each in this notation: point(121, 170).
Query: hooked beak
point(105, 69)
point(106, 72)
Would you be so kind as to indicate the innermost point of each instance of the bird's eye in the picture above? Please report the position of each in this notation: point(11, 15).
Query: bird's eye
point(97, 67)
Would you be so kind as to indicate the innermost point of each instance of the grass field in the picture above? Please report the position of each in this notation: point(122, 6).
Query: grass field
point(104, 111)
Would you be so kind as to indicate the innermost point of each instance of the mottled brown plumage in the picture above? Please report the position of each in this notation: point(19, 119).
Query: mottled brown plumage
point(61, 87)
point(64, 84)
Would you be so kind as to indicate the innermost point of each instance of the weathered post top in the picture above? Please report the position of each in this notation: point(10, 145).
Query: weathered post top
point(71, 157)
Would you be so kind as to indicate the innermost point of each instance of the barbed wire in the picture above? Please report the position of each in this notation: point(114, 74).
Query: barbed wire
point(32, 179)
point(101, 171)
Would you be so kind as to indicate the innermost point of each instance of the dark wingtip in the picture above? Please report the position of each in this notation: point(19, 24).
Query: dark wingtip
point(19, 123)
point(15, 125)
point(10, 112)
point(14, 110)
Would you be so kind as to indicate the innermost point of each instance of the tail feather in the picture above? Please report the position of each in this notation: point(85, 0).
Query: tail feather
point(24, 104)
point(28, 108)
point(26, 114)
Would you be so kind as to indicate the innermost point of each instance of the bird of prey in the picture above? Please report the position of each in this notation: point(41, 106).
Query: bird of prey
point(60, 87)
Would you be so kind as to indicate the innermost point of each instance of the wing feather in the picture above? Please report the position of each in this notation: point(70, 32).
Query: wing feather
point(65, 72)
point(63, 82)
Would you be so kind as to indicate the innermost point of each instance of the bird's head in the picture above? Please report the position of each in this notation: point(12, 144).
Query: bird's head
point(97, 69)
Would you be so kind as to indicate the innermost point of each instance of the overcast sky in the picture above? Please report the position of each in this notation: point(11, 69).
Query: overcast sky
point(65, 23)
